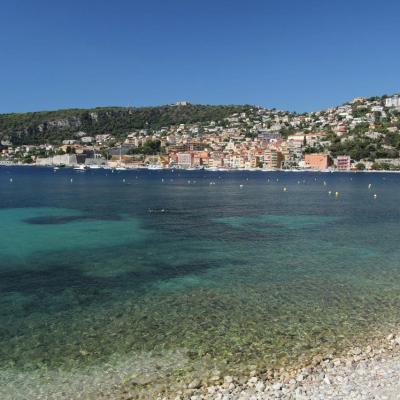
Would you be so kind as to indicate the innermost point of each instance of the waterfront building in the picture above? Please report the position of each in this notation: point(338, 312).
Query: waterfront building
point(317, 161)
point(343, 163)
point(272, 159)
point(185, 160)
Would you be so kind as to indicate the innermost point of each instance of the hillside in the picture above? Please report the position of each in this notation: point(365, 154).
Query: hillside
point(365, 129)
point(54, 126)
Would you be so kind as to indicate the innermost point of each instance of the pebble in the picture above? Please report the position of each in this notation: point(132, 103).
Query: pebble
point(327, 380)
point(277, 386)
point(253, 380)
point(260, 386)
point(228, 379)
point(195, 384)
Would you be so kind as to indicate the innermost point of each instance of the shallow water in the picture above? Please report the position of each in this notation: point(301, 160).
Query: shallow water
point(151, 277)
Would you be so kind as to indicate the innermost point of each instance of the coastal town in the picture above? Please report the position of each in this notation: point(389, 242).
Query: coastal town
point(363, 134)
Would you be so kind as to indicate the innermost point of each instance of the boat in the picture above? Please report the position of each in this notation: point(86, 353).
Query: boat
point(81, 168)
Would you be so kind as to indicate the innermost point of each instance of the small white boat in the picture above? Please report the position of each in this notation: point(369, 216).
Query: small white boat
point(81, 168)
point(154, 166)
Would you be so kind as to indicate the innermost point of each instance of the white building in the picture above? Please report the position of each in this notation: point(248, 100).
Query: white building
point(393, 101)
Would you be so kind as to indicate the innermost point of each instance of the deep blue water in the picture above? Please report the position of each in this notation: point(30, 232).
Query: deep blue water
point(161, 275)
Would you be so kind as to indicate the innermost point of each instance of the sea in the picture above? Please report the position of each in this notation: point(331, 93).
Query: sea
point(141, 281)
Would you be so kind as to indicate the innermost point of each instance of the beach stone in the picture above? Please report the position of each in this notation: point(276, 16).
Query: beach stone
point(396, 340)
point(195, 384)
point(260, 386)
point(349, 363)
point(211, 389)
point(356, 351)
point(228, 379)
point(317, 360)
point(277, 386)
point(252, 380)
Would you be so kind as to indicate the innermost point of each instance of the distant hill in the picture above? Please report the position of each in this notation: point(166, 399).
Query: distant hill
point(54, 126)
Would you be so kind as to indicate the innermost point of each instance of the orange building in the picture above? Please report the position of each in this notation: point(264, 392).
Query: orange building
point(318, 161)
point(272, 159)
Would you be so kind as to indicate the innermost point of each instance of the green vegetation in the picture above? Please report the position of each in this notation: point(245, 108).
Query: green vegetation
point(313, 149)
point(384, 166)
point(151, 147)
point(54, 126)
point(360, 166)
point(359, 146)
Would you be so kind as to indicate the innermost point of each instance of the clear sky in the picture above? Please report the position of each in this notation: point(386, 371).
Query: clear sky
point(295, 55)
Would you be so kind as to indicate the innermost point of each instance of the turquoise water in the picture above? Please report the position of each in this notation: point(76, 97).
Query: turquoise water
point(144, 279)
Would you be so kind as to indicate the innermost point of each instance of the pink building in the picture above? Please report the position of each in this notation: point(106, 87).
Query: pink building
point(185, 160)
point(343, 163)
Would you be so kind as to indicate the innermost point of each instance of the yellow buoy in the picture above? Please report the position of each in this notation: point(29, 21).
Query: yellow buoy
point(337, 194)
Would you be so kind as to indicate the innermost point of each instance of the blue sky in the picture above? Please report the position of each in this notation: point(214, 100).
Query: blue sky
point(295, 55)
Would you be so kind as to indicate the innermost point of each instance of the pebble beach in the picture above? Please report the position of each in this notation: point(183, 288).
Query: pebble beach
point(370, 373)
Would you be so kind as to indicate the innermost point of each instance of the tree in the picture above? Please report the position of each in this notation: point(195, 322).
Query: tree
point(360, 166)
point(151, 147)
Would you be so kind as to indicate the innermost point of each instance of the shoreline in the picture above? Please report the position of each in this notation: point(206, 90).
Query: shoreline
point(368, 372)
point(124, 169)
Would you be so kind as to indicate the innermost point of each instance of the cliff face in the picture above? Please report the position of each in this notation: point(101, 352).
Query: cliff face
point(55, 126)
point(40, 127)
